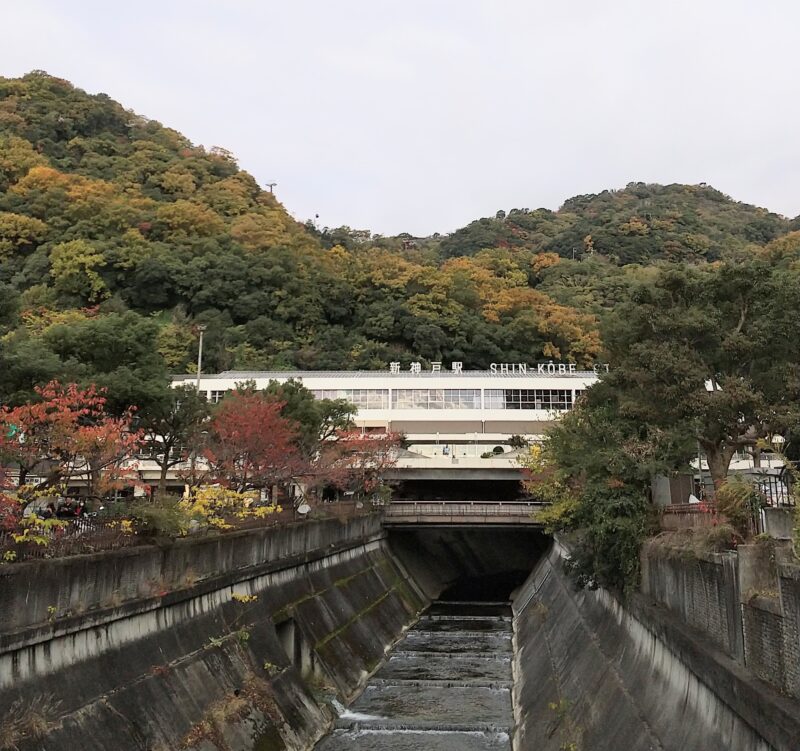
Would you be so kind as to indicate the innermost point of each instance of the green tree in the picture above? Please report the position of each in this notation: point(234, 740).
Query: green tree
point(595, 467)
point(74, 268)
point(171, 427)
point(116, 352)
point(710, 355)
point(24, 364)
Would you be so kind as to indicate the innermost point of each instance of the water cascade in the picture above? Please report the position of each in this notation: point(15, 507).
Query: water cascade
point(445, 687)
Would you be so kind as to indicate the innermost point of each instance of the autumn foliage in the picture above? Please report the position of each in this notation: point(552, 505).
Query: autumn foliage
point(250, 444)
point(67, 433)
point(356, 463)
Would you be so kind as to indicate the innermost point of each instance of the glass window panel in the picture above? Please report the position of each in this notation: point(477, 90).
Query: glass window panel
point(493, 399)
point(360, 398)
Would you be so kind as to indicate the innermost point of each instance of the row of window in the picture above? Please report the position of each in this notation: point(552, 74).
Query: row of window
point(361, 398)
point(528, 399)
point(544, 399)
point(436, 398)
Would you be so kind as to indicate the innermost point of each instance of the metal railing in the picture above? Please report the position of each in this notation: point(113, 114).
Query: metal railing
point(776, 490)
point(689, 515)
point(91, 534)
point(72, 537)
point(421, 511)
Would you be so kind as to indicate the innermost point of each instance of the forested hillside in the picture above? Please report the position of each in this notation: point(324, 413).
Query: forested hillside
point(118, 236)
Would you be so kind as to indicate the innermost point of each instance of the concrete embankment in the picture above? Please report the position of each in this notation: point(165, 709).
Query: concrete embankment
point(592, 674)
point(205, 644)
point(236, 642)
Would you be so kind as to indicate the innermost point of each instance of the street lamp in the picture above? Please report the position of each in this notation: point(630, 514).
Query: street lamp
point(201, 327)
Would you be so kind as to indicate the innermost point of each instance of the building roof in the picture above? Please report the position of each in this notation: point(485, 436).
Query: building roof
point(245, 375)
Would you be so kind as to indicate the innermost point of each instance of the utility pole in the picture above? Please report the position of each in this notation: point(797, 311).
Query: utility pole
point(271, 186)
point(700, 470)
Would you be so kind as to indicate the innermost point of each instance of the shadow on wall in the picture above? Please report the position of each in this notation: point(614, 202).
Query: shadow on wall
point(469, 563)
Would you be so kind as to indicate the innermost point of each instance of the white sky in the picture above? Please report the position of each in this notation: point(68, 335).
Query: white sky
point(420, 116)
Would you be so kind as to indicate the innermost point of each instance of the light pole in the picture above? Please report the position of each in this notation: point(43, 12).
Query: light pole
point(201, 327)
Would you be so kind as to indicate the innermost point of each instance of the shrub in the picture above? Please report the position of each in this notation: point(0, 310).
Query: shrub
point(163, 517)
point(740, 502)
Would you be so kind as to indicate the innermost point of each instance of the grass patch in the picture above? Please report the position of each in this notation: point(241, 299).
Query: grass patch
point(693, 543)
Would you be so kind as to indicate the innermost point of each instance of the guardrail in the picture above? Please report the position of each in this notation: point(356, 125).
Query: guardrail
point(439, 512)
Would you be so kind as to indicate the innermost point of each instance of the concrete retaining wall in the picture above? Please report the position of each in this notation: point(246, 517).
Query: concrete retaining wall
point(231, 643)
point(591, 674)
point(206, 644)
point(703, 591)
point(747, 602)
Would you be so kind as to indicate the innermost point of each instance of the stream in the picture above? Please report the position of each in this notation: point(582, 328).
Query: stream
point(446, 687)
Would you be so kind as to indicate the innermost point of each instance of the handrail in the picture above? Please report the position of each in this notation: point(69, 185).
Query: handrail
point(516, 509)
point(467, 503)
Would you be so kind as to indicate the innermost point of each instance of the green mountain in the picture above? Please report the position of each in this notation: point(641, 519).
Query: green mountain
point(118, 236)
point(639, 224)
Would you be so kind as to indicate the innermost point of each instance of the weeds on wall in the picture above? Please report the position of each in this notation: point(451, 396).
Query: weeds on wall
point(26, 721)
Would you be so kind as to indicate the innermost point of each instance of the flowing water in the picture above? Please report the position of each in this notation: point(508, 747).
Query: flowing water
point(446, 687)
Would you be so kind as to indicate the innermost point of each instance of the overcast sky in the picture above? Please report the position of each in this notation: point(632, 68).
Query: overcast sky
point(421, 115)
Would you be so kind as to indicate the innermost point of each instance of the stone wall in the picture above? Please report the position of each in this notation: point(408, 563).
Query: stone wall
point(51, 592)
point(763, 640)
point(789, 591)
point(206, 644)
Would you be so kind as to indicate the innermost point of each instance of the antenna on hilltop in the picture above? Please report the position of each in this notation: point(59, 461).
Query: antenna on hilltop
point(271, 186)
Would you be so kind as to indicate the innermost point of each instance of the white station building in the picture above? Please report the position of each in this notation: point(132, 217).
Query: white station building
point(442, 412)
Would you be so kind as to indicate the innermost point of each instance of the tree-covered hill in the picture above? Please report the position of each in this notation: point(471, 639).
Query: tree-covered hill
point(638, 224)
point(118, 236)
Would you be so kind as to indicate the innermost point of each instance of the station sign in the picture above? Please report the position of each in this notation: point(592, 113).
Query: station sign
point(549, 368)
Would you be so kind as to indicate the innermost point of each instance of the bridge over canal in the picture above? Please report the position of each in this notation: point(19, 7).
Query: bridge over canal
point(443, 513)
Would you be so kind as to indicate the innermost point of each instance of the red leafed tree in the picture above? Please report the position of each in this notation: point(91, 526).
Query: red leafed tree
point(43, 431)
point(356, 462)
point(105, 452)
point(250, 444)
point(69, 430)
point(10, 509)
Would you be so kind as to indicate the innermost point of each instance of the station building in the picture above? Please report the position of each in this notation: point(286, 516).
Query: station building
point(443, 412)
